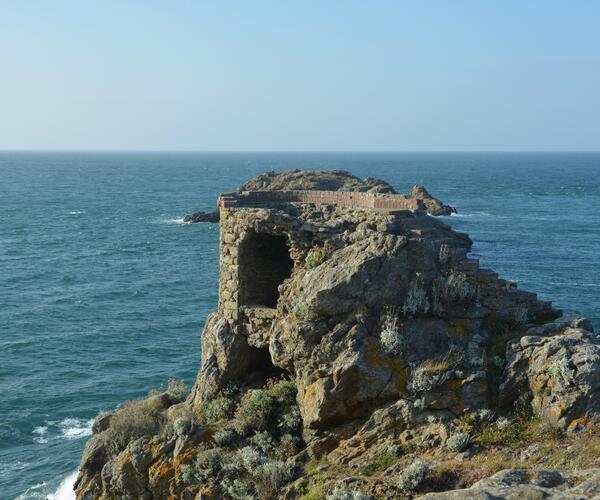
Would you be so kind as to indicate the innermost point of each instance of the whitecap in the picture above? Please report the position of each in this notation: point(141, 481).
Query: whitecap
point(74, 428)
point(75, 212)
point(65, 489)
point(176, 220)
point(41, 432)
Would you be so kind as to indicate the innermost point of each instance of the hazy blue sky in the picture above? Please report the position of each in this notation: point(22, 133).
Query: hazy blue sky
point(282, 75)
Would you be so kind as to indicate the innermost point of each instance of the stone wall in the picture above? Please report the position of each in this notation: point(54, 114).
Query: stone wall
point(386, 202)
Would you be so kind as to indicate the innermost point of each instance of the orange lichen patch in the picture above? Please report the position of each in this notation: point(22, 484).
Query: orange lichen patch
point(161, 470)
point(184, 457)
point(311, 391)
point(583, 421)
point(557, 410)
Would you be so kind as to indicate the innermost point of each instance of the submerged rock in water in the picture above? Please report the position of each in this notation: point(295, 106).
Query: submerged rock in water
point(202, 217)
point(356, 347)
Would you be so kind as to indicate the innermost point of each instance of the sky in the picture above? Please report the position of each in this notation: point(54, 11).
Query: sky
point(322, 75)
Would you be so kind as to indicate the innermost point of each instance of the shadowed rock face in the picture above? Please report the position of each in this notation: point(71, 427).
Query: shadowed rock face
point(380, 331)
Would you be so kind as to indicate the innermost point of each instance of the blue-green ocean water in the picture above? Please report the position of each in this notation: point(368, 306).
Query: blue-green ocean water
point(103, 291)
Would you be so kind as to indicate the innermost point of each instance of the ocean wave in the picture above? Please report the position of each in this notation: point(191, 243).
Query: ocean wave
point(74, 428)
point(65, 489)
point(69, 428)
point(175, 220)
point(76, 212)
point(41, 432)
point(471, 214)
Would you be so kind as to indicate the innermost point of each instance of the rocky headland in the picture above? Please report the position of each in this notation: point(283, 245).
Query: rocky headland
point(358, 352)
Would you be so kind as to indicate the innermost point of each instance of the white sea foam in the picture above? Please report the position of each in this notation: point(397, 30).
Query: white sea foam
point(176, 220)
point(41, 432)
point(73, 428)
point(69, 428)
point(76, 212)
point(65, 489)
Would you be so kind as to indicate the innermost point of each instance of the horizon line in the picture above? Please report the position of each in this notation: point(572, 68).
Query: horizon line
point(321, 151)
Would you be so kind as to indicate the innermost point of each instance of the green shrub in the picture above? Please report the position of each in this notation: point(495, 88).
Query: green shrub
point(264, 442)
point(224, 437)
point(137, 418)
point(413, 477)
point(391, 338)
point(218, 409)
point(255, 411)
point(205, 469)
point(177, 390)
point(300, 310)
point(452, 290)
point(343, 494)
point(416, 302)
point(182, 425)
point(458, 442)
point(289, 446)
point(315, 257)
point(291, 420)
point(283, 390)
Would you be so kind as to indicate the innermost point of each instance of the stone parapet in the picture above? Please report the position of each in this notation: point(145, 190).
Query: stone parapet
point(383, 202)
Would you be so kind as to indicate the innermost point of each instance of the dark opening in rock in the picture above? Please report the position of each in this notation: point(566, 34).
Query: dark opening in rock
point(264, 262)
point(262, 368)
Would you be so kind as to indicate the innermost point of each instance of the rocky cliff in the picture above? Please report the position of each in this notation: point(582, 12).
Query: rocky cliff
point(358, 352)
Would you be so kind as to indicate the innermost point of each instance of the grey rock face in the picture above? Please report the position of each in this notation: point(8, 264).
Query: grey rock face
point(562, 373)
point(527, 484)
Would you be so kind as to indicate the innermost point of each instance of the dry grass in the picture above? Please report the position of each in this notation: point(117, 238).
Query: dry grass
point(440, 364)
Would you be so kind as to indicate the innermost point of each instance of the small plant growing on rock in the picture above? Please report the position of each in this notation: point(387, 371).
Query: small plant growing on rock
point(559, 369)
point(452, 290)
point(289, 446)
point(182, 425)
point(224, 437)
point(137, 418)
point(300, 310)
point(444, 255)
point(315, 257)
point(413, 477)
point(255, 411)
point(177, 390)
point(458, 442)
point(416, 302)
point(392, 340)
point(343, 494)
point(220, 408)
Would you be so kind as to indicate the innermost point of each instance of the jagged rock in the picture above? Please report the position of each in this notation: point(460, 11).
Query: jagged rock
point(434, 206)
point(202, 217)
point(528, 484)
point(562, 373)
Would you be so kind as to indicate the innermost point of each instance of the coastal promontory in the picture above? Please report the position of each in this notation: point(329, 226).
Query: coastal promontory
point(358, 351)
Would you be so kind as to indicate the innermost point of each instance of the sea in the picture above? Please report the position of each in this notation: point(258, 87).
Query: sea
point(104, 290)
